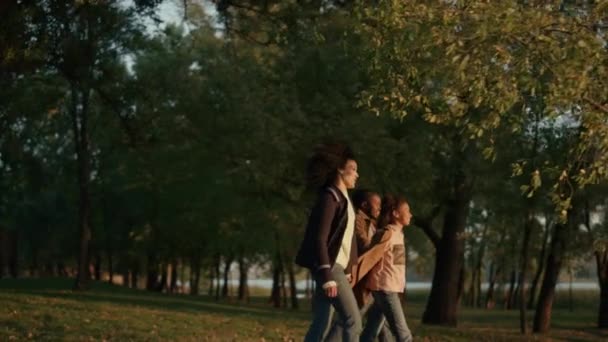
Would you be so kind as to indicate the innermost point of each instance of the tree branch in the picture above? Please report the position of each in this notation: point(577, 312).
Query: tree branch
point(116, 109)
point(426, 224)
point(596, 104)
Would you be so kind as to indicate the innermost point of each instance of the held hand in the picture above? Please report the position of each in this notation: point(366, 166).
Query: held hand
point(331, 291)
point(349, 278)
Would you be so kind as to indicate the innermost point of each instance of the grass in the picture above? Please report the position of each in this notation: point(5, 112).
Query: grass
point(46, 310)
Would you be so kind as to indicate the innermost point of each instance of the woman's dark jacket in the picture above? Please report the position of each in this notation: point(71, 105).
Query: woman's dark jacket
point(324, 234)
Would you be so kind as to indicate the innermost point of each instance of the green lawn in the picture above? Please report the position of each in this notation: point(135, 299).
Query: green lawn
point(48, 310)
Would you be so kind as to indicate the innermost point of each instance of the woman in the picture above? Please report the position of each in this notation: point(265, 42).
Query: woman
point(329, 248)
point(387, 279)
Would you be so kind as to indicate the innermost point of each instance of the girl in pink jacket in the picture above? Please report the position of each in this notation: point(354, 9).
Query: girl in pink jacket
point(387, 279)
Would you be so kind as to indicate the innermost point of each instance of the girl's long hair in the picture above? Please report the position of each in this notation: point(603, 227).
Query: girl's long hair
point(389, 204)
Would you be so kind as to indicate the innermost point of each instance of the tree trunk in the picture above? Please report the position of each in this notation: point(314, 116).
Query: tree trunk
point(601, 259)
point(602, 317)
point(182, 275)
point(523, 271)
point(490, 301)
point(470, 293)
point(125, 278)
point(13, 253)
point(309, 285)
point(152, 272)
point(164, 277)
point(195, 269)
point(211, 281)
point(217, 276)
point(540, 268)
point(461, 279)
point(478, 296)
point(293, 291)
point(542, 317)
point(283, 287)
point(173, 283)
point(570, 290)
point(510, 294)
point(3, 253)
point(243, 286)
point(134, 279)
point(227, 264)
point(97, 267)
point(80, 113)
point(442, 305)
point(275, 294)
point(49, 269)
point(479, 266)
point(34, 263)
point(110, 268)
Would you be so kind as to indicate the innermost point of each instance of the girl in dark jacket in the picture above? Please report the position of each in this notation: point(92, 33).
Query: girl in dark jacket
point(329, 248)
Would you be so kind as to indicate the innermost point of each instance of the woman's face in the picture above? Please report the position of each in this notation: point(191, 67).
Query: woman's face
point(403, 214)
point(349, 174)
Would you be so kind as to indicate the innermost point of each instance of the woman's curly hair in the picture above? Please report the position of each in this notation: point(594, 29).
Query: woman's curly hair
point(327, 158)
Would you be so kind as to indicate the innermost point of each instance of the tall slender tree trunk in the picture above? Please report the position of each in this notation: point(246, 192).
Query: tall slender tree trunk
point(309, 285)
point(134, 278)
point(173, 281)
point(461, 279)
point(470, 295)
point(510, 294)
point(4, 246)
point(523, 271)
point(13, 253)
point(493, 274)
point(540, 268)
point(152, 271)
point(478, 295)
point(275, 294)
point(293, 291)
point(34, 264)
point(243, 286)
point(164, 276)
point(442, 305)
point(211, 281)
point(110, 268)
point(97, 267)
point(479, 265)
point(601, 260)
point(125, 278)
point(80, 117)
point(542, 317)
point(601, 263)
point(283, 287)
point(195, 271)
point(182, 275)
point(570, 289)
point(227, 265)
point(217, 276)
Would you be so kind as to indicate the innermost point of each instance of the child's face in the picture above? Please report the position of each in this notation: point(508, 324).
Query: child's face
point(403, 215)
point(375, 204)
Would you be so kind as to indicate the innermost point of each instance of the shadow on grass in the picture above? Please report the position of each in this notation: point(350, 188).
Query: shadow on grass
point(113, 294)
point(476, 324)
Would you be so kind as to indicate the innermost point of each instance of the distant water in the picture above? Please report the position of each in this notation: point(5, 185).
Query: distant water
point(301, 285)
